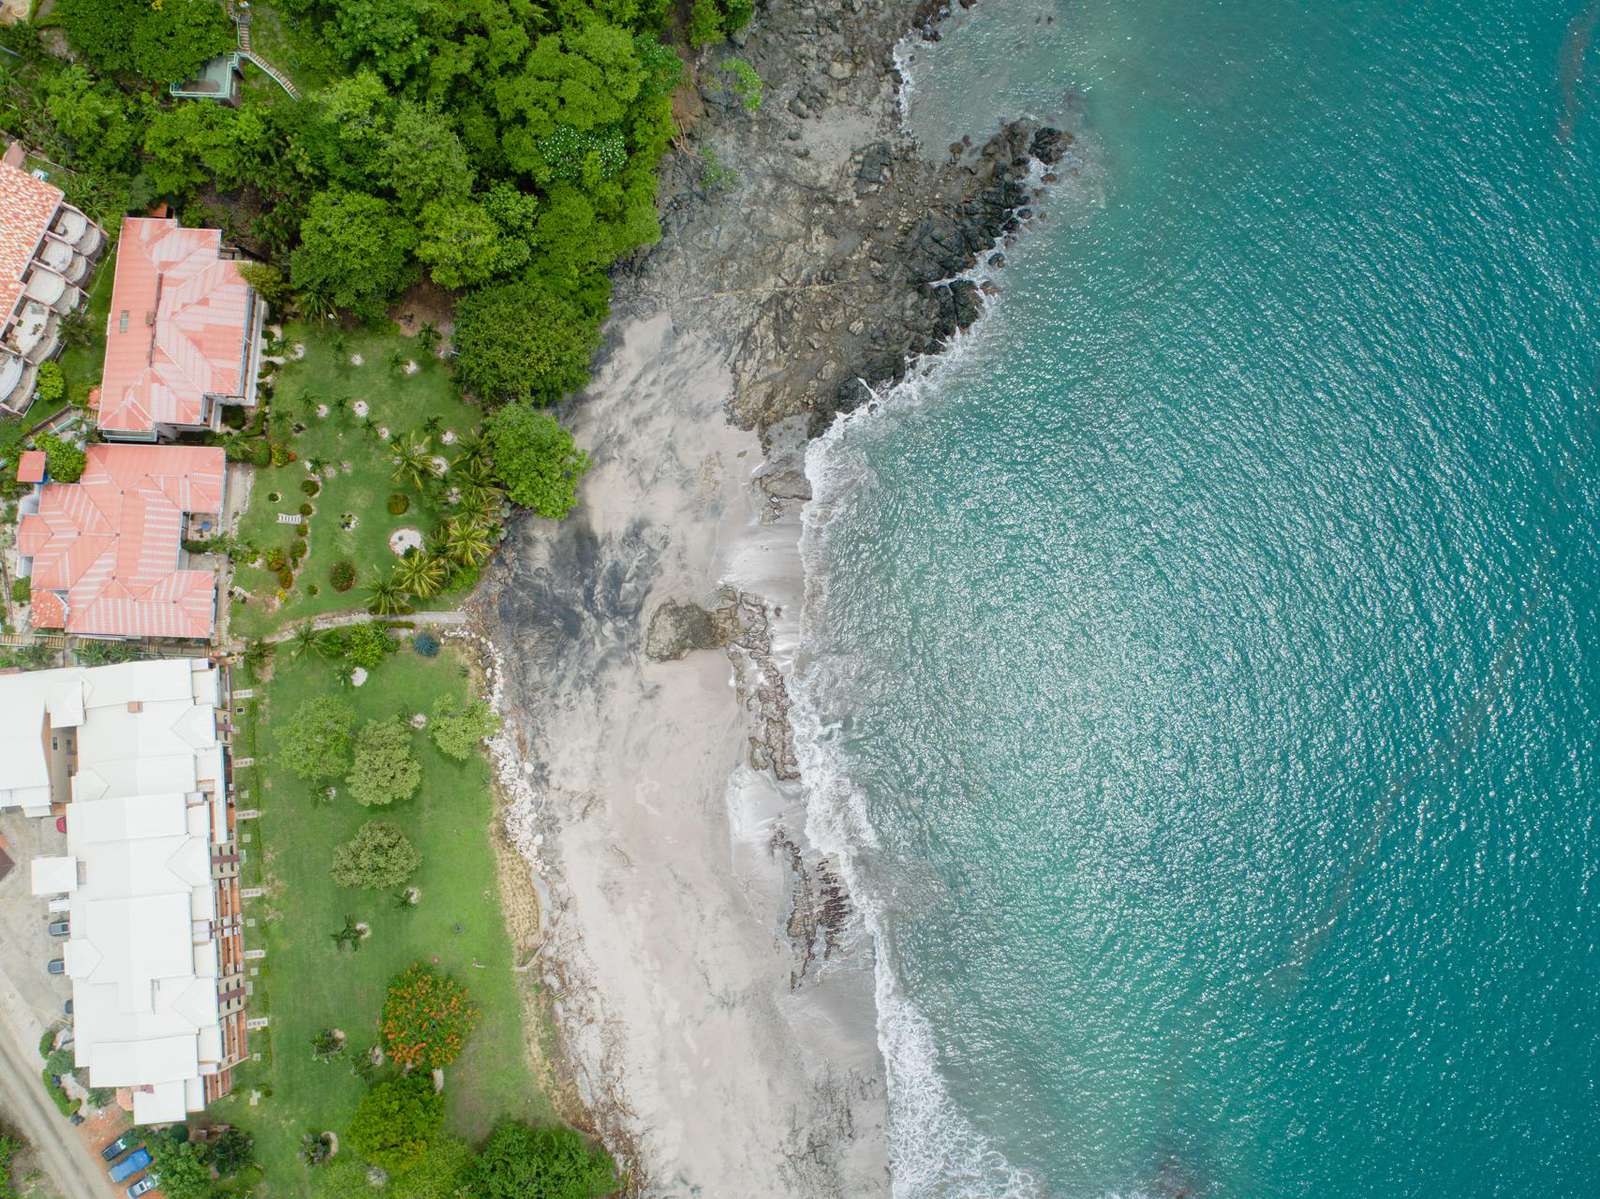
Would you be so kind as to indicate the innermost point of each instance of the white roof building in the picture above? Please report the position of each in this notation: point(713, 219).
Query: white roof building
point(153, 952)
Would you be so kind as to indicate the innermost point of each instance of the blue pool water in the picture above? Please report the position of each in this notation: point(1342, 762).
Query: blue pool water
point(1200, 668)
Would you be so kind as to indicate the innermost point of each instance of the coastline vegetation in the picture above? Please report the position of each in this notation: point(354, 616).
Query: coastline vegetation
point(424, 894)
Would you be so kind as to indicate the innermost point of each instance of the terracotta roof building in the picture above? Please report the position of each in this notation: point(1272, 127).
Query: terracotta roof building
point(105, 554)
point(183, 336)
point(46, 248)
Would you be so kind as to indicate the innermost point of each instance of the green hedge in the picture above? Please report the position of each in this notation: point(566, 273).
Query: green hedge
point(65, 1104)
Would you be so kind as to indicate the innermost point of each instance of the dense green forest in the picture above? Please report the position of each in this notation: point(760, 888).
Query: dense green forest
point(506, 148)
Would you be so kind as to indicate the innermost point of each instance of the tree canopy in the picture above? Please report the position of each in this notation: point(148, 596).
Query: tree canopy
point(164, 43)
point(536, 460)
point(458, 731)
point(427, 1018)
point(555, 1162)
point(523, 341)
point(183, 1174)
point(385, 769)
point(396, 1121)
point(314, 743)
point(378, 856)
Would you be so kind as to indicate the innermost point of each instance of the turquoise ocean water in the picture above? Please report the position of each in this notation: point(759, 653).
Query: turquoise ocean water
point(1200, 669)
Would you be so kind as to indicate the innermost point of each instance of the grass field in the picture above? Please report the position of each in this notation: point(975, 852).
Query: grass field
point(307, 984)
point(361, 481)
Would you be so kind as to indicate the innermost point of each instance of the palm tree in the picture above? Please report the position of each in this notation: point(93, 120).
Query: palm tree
point(386, 597)
point(397, 361)
point(468, 542)
point(428, 337)
point(432, 425)
point(412, 462)
point(471, 449)
point(421, 574)
point(478, 505)
point(257, 654)
point(304, 639)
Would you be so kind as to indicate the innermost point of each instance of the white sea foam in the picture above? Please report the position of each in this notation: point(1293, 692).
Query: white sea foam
point(934, 1150)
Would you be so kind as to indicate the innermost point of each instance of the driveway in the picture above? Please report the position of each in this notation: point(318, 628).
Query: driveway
point(30, 1001)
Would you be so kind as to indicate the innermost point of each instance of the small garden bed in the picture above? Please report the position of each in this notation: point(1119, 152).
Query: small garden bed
point(338, 497)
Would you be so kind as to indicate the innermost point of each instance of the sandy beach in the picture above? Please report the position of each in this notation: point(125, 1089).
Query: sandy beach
point(665, 863)
point(711, 981)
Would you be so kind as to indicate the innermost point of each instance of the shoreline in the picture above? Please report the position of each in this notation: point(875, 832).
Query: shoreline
point(712, 985)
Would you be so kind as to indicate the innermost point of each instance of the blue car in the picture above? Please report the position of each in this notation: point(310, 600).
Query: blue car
point(130, 1165)
point(148, 1183)
point(121, 1145)
point(55, 966)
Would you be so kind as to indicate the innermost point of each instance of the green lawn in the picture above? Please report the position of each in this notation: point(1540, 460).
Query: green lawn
point(306, 984)
point(82, 365)
point(398, 402)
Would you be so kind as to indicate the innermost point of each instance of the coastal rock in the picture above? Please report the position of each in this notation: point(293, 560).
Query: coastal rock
point(677, 627)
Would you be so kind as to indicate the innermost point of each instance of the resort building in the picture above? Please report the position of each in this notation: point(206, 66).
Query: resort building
point(134, 756)
point(105, 555)
point(183, 334)
point(47, 248)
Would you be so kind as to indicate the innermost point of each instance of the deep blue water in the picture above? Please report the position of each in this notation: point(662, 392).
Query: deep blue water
point(1204, 662)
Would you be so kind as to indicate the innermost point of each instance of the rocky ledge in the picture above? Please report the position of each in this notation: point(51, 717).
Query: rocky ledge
point(811, 235)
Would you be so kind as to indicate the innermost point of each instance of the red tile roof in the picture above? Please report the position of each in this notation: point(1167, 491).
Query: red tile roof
point(177, 327)
point(30, 467)
point(108, 545)
point(48, 611)
point(27, 205)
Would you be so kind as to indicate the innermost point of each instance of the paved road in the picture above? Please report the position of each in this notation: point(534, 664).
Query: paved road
point(29, 1109)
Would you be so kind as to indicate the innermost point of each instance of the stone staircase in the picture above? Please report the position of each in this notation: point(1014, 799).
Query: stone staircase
point(241, 20)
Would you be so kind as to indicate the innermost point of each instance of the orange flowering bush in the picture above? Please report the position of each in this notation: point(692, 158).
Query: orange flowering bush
point(427, 1018)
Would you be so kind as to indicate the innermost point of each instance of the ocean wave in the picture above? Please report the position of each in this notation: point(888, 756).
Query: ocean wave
point(934, 1150)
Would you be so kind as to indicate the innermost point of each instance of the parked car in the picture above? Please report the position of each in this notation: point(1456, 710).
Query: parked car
point(61, 824)
point(67, 1007)
point(148, 1183)
point(75, 1118)
point(130, 1165)
point(57, 928)
point(55, 966)
point(121, 1145)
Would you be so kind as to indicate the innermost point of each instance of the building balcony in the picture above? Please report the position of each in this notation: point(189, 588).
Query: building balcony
point(61, 258)
point(35, 334)
point(51, 290)
point(17, 377)
point(70, 225)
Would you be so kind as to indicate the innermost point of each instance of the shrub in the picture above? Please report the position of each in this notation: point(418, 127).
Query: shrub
point(261, 453)
point(522, 1162)
point(427, 1018)
point(297, 550)
point(63, 460)
point(50, 384)
point(231, 1152)
point(286, 578)
point(396, 1121)
point(183, 1174)
point(314, 743)
point(426, 644)
point(302, 530)
point(398, 504)
point(342, 575)
point(306, 509)
point(366, 644)
point(459, 731)
point(536, 460)
point(64, 1103)
point(21, 591)
point(385, 769)
point(280, 454)
point(378, 856)
point(276, 558)
point(310, 486)
point(747, 84)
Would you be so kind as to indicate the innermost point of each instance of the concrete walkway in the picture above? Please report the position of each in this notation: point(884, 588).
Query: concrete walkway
point(452, 618)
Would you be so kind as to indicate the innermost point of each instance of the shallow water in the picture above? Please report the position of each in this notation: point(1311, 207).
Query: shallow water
point(1200, 670)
